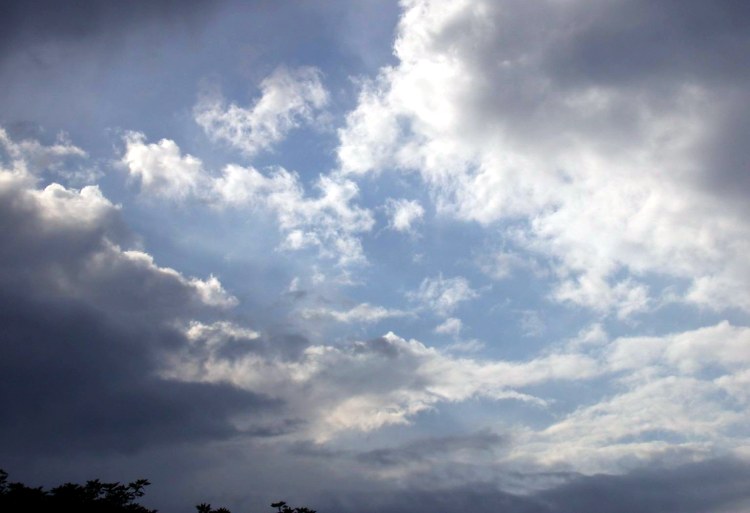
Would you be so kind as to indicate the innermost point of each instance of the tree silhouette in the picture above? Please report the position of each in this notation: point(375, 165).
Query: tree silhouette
point(206, 508)
point(92, 497)
point(283, 508)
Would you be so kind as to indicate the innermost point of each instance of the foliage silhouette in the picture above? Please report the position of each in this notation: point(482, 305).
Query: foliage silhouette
point(206, 508)
point(283, 508)
point(93, 497)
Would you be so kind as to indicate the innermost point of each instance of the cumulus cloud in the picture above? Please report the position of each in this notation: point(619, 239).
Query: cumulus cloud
point(161, 169)
point(608, 171)
point(289, 98)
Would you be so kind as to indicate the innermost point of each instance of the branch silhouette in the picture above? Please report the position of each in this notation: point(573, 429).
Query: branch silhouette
point(93, 497)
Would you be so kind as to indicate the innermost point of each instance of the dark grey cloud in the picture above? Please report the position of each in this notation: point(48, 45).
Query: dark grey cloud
point(707, 487)
point(380, 346)
point(717, 485)
point(25, 23)
point(625, 43)
point(84, 329)
point(655, 49)
point(433, 447)
point(417, 451)
point(73, 380)
point(479, 499)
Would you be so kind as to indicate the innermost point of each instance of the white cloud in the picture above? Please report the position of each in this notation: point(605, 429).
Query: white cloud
point(403, 213)
point(31, 157)
point(362, 313)
point(590, 336)
point(443, 295)
point(451, 326)
point(606, 176)
point(662, 415)
point(679, 391)
point(500, 264)
point(595, 292)
point(722, 345)
point(532, 324)
point(289, 98)
point(329, 221)
point(218, 333)
point(161, 169)
point(466, 346)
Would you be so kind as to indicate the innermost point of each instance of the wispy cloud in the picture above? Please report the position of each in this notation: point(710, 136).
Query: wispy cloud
point(443, 295)
point(289, 98)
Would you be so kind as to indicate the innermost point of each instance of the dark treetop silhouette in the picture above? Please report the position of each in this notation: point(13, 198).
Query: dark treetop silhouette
point(93, 497)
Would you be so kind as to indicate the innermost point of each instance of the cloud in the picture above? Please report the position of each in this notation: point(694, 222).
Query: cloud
point(403, 213)
point(32, 157)
point(87, 324)
point(451, 326)
point(49, 21)
point(532, 324)
point(368, 385)
point(675, 394)
point(576, 146)
point(716, 485)
point(289, 98)
point(501, 264)
point(161, 169)
point(160, 373)
point(329, 221)
point(677, 397)
point(362, 313)
point(602, 148)
point(466, 346)
point(426, 450)
point(443, 295)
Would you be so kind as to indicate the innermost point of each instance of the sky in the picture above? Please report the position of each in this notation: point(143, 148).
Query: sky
point(379, 256)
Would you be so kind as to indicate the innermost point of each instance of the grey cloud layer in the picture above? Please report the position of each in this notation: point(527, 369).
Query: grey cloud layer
point(26, 27)
point(718, 485)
